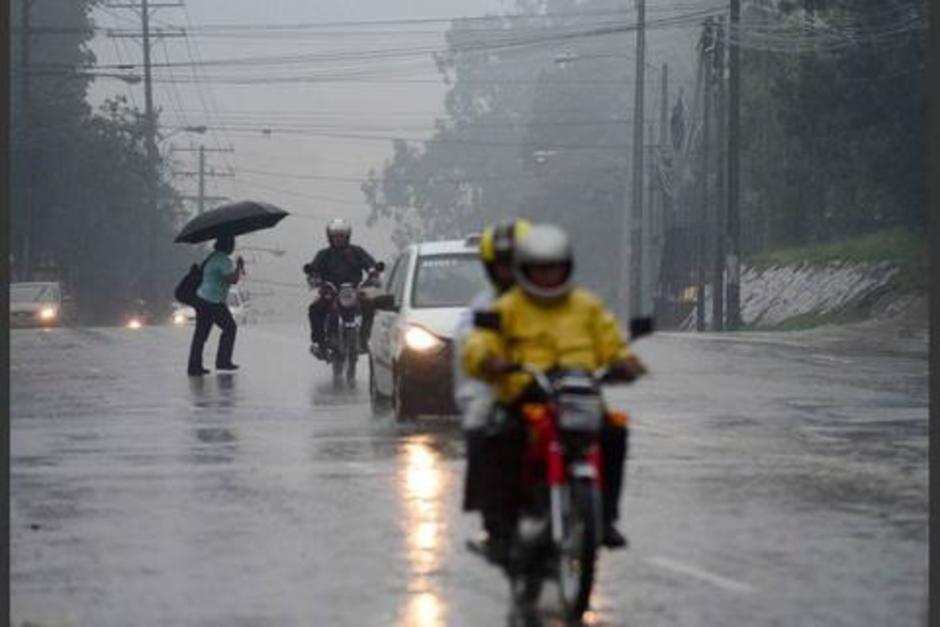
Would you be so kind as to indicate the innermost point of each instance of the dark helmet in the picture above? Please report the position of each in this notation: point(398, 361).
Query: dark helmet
point(498, 243)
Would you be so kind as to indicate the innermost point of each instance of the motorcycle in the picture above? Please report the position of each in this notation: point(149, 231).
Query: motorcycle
point(560, 529)
point(343, 325)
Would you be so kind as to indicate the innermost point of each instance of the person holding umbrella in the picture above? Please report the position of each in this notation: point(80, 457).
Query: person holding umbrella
point(218, 274)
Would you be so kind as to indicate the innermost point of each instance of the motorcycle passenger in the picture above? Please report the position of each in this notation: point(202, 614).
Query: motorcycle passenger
point(546, 322)
point(340, 262)
point(475, 398)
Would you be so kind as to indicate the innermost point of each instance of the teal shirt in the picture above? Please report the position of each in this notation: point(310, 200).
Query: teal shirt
point(214, 286)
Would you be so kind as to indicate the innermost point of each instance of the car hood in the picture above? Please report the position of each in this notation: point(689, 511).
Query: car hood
point(440, 321)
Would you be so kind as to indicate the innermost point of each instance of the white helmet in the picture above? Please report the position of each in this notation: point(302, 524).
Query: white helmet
point(338, 226)
point(545, 244)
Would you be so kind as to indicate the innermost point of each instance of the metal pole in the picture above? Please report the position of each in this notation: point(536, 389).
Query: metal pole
point(664, 206)
point(734, 227)
point(648, 221)
point(26, 253)
point(202, 178)
point(718, 279)
point(152, 157)
point(703, 183)
point(639, 301)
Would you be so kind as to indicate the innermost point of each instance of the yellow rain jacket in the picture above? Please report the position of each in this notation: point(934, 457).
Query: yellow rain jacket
point(578, 332)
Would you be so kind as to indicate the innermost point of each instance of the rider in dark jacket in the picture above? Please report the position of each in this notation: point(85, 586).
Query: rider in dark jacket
point(341, 262)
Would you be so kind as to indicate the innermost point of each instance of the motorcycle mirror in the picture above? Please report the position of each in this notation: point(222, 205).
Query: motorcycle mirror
point(385, 302)
point(486, 320)
point(640, 327)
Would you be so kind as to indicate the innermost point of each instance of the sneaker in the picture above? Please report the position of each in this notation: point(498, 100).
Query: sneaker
point(226, 366)
point(613, 539)
point(196, 372)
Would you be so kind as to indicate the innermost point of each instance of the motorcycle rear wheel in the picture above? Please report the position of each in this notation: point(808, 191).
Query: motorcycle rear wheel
point(577, 554)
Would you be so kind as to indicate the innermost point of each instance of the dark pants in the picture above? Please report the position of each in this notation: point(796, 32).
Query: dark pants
point(316, 314)
point(208, 314)
point(493, 483)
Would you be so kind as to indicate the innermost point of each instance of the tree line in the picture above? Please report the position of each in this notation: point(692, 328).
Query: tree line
point(79, 175)
point(832, 141)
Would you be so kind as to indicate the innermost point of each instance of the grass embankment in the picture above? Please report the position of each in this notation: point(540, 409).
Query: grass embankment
point(898, 246)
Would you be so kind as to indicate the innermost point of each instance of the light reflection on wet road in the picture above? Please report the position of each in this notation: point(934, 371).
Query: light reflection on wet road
point(774, 480)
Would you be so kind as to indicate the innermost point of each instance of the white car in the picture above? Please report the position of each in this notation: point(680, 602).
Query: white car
point(239, 304)
point(35, 304)
point(411, 343)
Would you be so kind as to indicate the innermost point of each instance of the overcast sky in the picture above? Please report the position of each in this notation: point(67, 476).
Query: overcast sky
point(389, 97)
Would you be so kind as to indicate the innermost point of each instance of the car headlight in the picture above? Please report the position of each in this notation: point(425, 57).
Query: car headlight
point(48, 313)
point(179, 319)
point(134, 323)
point(421, 340)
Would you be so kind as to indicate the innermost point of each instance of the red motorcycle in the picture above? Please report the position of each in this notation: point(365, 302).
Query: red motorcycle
point(560, 528)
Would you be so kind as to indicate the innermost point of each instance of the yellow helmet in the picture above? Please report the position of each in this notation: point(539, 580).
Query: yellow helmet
point(499, 240)
point(497, 246)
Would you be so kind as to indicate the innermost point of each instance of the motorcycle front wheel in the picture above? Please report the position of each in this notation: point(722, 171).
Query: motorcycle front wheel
point(577, 554)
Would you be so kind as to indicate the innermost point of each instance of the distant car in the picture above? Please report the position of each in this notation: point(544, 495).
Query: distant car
point(411, 344)
point(35, 304)
point(239, 304)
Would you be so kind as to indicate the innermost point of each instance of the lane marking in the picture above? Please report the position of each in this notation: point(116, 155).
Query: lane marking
point(722, 582)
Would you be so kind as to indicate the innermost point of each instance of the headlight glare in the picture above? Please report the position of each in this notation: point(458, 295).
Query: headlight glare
point(48, 313)
point(421, 340)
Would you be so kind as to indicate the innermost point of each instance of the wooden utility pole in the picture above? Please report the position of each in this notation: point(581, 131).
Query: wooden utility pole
point(637, 237)
point(734, 209)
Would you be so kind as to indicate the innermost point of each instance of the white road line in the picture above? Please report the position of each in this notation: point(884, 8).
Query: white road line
point(717, 580)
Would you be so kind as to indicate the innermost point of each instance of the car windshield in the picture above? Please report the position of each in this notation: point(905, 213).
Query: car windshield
point(447, 280)
point(32, 293)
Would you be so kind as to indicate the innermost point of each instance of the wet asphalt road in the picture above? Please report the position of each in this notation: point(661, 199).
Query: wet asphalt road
point(773, 480)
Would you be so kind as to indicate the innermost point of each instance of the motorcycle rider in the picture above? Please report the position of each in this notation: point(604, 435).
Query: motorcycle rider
point(340, 262)
point(475, 398)
point(547, 322)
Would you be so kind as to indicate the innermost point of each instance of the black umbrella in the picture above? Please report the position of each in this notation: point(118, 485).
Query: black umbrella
point(234, 219)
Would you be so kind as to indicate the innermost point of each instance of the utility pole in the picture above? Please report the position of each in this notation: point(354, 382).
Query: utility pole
point(637, 248)
point(707, 42)
point(25, 257)
point(665, 206)
point(202, 173)
point(152, 175)
point(734, 208)
point(718, 279)
point(202, 179)
point(649, 219)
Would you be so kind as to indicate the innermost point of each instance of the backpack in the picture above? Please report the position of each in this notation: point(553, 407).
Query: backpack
point(185, 291)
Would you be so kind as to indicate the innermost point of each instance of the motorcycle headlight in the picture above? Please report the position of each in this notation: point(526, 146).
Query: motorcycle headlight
point(421, 340)
point(48, 313)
